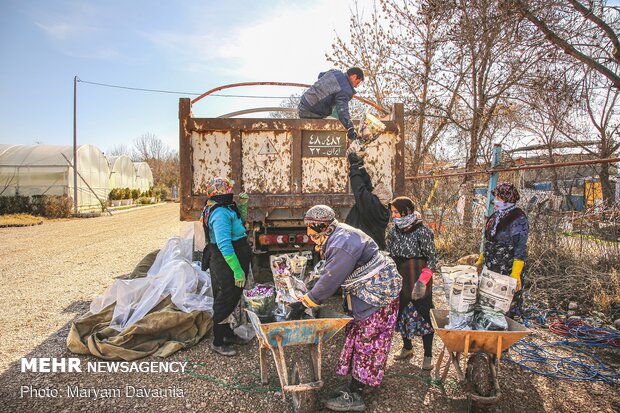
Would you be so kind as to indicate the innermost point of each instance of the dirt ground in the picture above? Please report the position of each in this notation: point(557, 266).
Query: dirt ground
point(51, 272)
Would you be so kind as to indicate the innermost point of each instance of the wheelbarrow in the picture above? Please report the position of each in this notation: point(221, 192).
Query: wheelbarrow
point(307, 338)
point(481, 350)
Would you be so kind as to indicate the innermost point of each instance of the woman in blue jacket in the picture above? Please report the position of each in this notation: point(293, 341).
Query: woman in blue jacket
point(229, 259)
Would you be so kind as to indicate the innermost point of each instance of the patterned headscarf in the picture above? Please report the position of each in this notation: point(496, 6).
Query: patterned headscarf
point(406, 222)
point(219, 191)
point(507, 192)
point(219, 186)
point(509, 195)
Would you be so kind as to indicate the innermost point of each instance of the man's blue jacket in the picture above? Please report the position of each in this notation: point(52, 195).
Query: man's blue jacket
point(331, 89)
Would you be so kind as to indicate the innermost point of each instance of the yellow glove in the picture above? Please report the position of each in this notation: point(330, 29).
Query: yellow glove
point(517, 268)
point(480, 260)
point(307, 301)
point(480, 263)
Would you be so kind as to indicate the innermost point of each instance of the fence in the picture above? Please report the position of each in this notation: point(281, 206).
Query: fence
point(573, 246)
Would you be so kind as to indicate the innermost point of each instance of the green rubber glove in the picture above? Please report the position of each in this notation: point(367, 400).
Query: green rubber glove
point(242, 205)
point(235, 266)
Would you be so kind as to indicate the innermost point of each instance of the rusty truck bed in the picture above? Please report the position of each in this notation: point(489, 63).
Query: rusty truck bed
point(284, 164)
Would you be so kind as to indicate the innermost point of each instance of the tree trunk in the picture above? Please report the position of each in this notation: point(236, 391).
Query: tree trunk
point(608, 188)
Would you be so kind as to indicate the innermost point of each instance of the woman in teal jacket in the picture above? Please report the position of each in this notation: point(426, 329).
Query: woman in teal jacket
point(229, 259)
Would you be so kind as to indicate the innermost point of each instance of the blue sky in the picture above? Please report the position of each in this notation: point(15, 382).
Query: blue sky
point(188, 46)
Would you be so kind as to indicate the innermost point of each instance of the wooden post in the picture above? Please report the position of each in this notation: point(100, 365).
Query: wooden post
point(75, 161)
point(185, 190)
point(398, 116)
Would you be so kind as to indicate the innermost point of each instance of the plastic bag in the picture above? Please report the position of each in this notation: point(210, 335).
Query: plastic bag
point(448, 274)
point(462, 301)
point(314, 275)
point(245, 331)
point(288, 280)
point(495, 295)
point(292, 311)
point(261, 300)
point(370, 127)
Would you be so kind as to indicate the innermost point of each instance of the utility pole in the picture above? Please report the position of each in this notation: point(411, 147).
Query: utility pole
point(75, 161)
point(488, 211)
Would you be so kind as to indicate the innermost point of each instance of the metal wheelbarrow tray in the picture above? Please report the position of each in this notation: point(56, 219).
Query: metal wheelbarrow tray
point(487, 348)
point(308, 337)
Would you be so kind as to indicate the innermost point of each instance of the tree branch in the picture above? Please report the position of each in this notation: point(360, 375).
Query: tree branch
point(588, 14)
point(564, 45)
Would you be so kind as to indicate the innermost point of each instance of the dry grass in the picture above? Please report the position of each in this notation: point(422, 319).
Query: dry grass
point(607, 297)
point(19, 220)
point(575, 266)
point(570, 258)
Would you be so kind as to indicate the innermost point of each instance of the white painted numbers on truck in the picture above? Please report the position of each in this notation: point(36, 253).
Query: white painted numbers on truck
point(323, 144)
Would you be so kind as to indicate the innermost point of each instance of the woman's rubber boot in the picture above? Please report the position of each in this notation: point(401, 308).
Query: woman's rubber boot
point(427, 363)
point(224, 350)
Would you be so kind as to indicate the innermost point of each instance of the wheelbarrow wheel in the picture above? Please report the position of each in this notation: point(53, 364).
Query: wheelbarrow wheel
point(480, 381)
point(303, 372)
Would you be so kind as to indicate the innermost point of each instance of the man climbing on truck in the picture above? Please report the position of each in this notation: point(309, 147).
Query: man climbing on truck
point(331, 93)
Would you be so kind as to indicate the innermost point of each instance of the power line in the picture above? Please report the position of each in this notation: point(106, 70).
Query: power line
point(181, 93)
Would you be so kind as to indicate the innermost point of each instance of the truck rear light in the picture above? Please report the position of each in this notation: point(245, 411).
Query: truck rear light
point(272, 239)
point(283, 239)
point(302, 239)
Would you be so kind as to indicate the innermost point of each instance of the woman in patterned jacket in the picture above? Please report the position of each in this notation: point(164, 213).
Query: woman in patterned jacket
point(412, 246)
point(505, 240)
point(370, 284)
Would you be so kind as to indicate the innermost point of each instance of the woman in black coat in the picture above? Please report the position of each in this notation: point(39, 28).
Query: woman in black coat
point(412, 246)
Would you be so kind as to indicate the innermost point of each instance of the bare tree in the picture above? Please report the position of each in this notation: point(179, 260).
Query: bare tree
point(455, 65)
point(552, 103)
point(289, 103)
point(149, 147)
point(603, 111)
point(497, 54)
point(119, 150)
point(586, 31)
point(163, 161)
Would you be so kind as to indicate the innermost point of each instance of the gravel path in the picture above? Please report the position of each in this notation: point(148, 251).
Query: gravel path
point(51, 272)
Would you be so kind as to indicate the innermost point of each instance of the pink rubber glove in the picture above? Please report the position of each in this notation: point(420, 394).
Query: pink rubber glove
point(425, 276)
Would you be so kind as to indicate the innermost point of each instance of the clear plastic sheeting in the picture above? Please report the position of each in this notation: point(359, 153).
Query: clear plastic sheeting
point(172, 274)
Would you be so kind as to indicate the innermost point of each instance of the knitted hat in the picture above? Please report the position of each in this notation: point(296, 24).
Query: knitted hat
point(319, 214)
